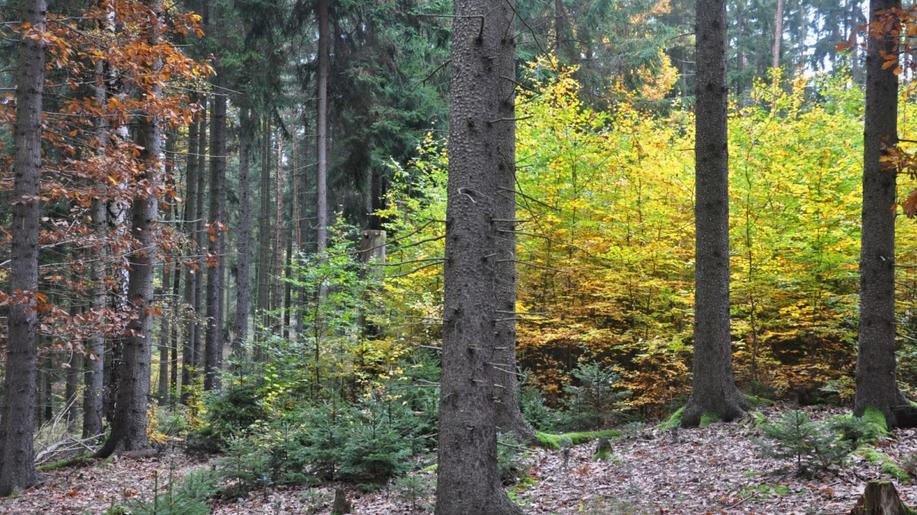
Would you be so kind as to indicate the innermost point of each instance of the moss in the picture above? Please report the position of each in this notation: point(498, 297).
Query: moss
point(886, 464)
point(709, 418)
point(758, 418)
point(602, 455)
point(673, 422)
point(77, 461)
point(877, 418)
point(756, 402)
point(559, 441)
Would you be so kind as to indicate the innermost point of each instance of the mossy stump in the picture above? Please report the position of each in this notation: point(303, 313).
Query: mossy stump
point(880, 498)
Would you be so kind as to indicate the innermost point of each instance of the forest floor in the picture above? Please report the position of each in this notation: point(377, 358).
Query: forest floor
point(715, 469)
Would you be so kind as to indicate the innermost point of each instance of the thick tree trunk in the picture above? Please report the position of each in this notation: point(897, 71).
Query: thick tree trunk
point(467, 477)
point(875, 372)
point(192, 276)
point(321, 138)
point(714, 389)
point(16, 420)
point(509, 416)
point(128, 430)
point(243, 277)
point(778, 34)
point(213, 354)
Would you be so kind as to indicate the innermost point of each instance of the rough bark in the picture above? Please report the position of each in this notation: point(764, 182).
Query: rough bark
point(128, 430)
point(71, 406)
point(467, 477)
point(197, 347)
point(778, 34)
point(191, 275)
point(321, 132)
point(880, 498)
point(165, 331)
point(277, 267)
point(876, 382)
point(213, 352)
point(509, 415)
point(714, 390)
point(16, 420)
point(264, 230)
point(243, 277)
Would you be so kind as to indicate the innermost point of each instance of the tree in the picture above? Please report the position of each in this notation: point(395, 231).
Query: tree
point(467, 477)
point(129, 426)
point(16, 425)
point(192, 278)
point(244, 302)
point(213, 351)
point(876, 381)
point(321, 132)
point(714, 390)
point(778, 34)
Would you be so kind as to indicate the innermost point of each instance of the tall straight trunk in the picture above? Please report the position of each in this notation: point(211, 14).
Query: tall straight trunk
point(509, 415)
point(714, 389)
point(264, 228)
point(213, 353)
point(197, 354)
point(175, 334)
point(778, 34)
point(129, 426)
point(294, 247)
point(71, 406)
point(876, 381)
point(467, 477)
point(165, 332)
point(46, 389)
point(302, 200)
point(191, 275)
point(17, 469)
point(244, 297)
point(321, 132)
point(278, 244)
point(285, 285)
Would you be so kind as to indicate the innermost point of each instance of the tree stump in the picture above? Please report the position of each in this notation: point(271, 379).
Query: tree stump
point(341, 505)
point(602, 450)
point(880, 498)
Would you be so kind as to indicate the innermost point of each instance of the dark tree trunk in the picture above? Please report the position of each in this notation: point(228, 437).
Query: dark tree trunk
point(264, 230)
point(467, 477)
point(321, 132)
point(875, 372)
point(244, 297)
point(128, 430)
point(197, 346)
point(192, 276)
point(213, 353)
point(509, 416)
point(778, 34)
point(174, 334)
point(71, 406)
point(278, 244)
point(165, 331)
point(714, 389)
point(17, 469)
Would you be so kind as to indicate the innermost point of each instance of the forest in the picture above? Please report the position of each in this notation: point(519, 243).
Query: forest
point(458, 257)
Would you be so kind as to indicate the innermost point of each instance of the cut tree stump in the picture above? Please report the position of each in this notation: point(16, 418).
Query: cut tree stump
point(880, 498)
point(340, 505)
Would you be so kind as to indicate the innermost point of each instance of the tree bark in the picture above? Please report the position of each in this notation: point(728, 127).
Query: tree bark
point(71, 406)
point(467, 477)
point(714, 390)
point(213, 352)
point(876, 382)
point(244, 298)
point(278, 244)
point(165, 330)
point(778, 34)
point(192, 276)
point(202, 150)
point(264, 231)
point(880, 498)
point(321, 138)
point(17, 469)
point(128, 430)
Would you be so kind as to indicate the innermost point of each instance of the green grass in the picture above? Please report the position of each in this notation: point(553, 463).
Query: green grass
point(559, 441)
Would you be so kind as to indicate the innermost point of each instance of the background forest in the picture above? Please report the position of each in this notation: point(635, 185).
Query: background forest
point(296, 233)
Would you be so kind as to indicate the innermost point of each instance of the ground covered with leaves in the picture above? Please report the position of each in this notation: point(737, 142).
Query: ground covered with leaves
point(719, 468)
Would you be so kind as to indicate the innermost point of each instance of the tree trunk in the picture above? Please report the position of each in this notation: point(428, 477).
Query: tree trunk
point(128, 430)
point(880, 498)
point(202, 149)
point(714, 390)
point(467, 477)
point(244, 298)
point(778, 34)
point(192, 276)
point(17, 423)
point(321, 138)
point(213, 353)
point(278, 243)
point(71, 406)
point(509, 416)
point(264, 231)
point(165, 330)
point(876, 383)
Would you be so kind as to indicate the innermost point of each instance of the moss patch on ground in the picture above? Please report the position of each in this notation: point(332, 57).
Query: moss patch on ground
point(559, 441)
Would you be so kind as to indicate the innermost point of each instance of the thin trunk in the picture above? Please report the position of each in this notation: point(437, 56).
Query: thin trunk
point(213, 353)
point(778, 34)
point(165, 331)
point(714, 389)
point(197, 347)
point(244, 298)
point(278, 244)
point(16, 421)
point(191, 275)
point(467, 477)
point(71, 389)
point(321, 138)
point(876, 380)
point(129, 427)
point(264, 223)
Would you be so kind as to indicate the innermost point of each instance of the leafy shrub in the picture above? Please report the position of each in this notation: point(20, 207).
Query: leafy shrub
point(373, 453)
point(245, 466)
point(537, 412)
point(415, 490)
point(512, 458)
point(188, 497)
point(811, 445)
point(859, 430)
point(229, 414)
point(594, 400)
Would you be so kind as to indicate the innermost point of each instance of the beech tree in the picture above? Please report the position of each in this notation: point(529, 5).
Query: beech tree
point(17, 422)
point(714, 391)
point(467, 477)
